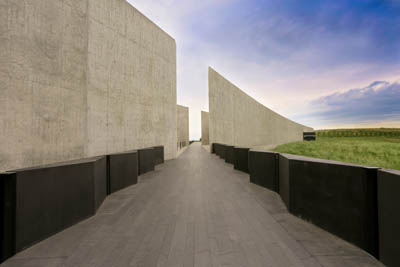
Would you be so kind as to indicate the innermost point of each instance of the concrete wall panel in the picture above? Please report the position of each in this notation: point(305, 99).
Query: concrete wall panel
point(389, 217)
point(159, 154)
point(43, 79)
point(39, 202)
point(122, 171)
point(338, 197)
point(83, 78)
point(135, 103)
point(230, 154)
point(204, 128)
point(183, 125)
point(237, 119)
point(264, 169)
point(241, 159)
point(147, 160)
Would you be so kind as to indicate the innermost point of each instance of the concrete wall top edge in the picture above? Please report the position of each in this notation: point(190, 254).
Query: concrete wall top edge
point(317, 160)
point(395, 172)
point(262, 151)
point(149, 20)
point(58, 164)
point(125, 152)
point(180, 106)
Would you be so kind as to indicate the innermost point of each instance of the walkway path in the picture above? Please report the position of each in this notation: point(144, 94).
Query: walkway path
point(193, 211)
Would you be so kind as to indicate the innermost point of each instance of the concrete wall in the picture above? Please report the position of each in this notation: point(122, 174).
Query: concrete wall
point(82, 78)
point(204, 128)
point(237, 119)
point(131, 81)
point(43, 76)
point(389, 217)
point(327, 193)
point(182, 124)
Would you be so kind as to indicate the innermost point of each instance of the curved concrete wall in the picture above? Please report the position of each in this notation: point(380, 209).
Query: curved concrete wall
point(82, 78)
point(237, 119)
point(204, 128)
point(182, 125)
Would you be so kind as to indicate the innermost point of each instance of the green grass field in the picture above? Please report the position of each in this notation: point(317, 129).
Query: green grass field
point(371, 147)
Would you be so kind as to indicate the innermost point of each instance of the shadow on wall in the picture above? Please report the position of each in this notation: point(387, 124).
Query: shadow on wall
point(356, 203)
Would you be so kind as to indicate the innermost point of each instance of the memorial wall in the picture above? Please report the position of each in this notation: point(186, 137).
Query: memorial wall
point(83, 78)
point(182, 126)
point(204, 128)
point(237, 119)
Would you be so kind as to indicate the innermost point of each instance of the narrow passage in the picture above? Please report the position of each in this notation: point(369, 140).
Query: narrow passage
point(195, 210)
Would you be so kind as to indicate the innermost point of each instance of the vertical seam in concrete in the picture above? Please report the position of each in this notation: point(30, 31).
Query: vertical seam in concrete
point(125, 101)
point(86, 132)
point(108, 95)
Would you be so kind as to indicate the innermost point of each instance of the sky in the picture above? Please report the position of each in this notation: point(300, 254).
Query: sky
point(323, 63)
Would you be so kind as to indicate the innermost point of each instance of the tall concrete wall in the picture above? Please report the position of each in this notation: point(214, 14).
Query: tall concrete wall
point(182, 125)
point(204, 128)
point(237, 119)
point(43, 76)
point(82, 78)
point(131, 81)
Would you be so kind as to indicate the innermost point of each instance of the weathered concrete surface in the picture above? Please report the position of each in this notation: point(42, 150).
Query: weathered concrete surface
point(195, 210)
point(204, 128)
point(82, 78)
point(237, 119)
point(131, 81)
point(43, 77)
point(182, 125)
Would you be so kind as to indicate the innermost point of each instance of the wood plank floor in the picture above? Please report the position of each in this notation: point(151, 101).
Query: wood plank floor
point(195, 210)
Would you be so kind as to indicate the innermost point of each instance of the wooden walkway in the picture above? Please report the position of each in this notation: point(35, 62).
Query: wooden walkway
point(193, 211)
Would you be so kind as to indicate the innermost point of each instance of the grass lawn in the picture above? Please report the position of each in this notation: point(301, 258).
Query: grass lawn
point(382, 151)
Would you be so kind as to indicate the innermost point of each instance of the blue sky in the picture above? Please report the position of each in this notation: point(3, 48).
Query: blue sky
point(303, 59)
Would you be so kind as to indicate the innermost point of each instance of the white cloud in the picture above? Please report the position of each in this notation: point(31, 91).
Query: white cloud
point(376, 104)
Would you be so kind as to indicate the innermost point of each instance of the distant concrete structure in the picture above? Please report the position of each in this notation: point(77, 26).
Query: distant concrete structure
point(83, 78)
point(204, 128)
point(237, 119)
point(182, 126)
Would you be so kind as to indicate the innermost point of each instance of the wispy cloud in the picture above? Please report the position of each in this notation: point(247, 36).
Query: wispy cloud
point(376, 103)
point(283, 53)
